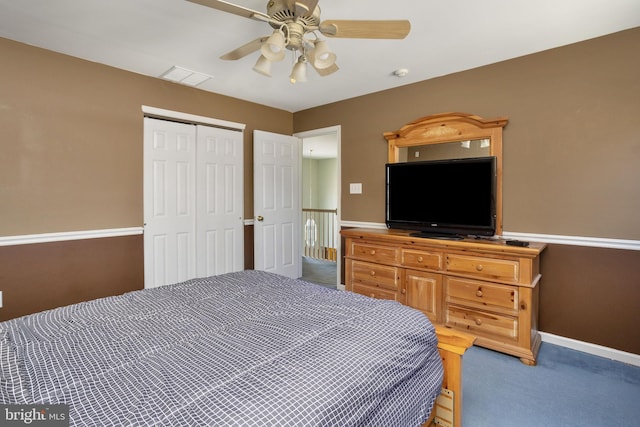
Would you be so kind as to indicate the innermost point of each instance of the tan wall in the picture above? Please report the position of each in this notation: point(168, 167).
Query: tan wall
point(571, 147)
point(71, 156)
point(571, 168)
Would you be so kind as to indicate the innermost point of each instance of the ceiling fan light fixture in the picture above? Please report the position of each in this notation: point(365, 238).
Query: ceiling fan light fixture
point(274, 48)
point(299, 71)
point(322, 56)
point(291, 22)
point(263, 66)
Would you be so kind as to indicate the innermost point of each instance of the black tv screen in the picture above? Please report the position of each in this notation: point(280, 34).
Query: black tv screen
point(442, 198)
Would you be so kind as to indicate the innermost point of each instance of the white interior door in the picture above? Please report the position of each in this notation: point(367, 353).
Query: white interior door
point(276, 203)
point(169, 202)
point(219, 200)
point(193, 201)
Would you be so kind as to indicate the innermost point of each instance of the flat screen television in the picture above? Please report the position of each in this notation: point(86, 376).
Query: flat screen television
point(442, 198)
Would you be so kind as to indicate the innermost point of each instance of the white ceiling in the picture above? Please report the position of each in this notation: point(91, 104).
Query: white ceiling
point(320, 147)
point(151, 36)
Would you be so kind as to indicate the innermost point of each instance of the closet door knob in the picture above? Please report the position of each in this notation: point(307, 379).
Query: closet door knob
point(260, 218)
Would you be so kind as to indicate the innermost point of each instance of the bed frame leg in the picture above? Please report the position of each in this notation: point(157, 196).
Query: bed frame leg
point(451, 345)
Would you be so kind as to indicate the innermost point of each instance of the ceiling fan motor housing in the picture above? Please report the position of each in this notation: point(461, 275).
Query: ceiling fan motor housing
point(295, 36)
point(283, 11)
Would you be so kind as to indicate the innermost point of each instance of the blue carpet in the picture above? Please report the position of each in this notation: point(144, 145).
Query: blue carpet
point(567, 388)
point(320, 272)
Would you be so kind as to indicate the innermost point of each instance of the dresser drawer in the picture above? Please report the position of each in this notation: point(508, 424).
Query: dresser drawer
point(503, 298)
point(374, 253)
point(490, 268)
point(421, 259)
point(482, 323)
point(378, 293)
point(375, 275)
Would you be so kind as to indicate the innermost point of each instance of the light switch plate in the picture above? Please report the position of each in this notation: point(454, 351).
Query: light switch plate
point(355, 188)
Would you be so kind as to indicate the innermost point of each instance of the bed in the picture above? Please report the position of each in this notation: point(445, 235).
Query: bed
point(243, 349)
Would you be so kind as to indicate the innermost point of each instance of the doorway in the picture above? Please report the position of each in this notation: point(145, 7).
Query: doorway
point(321, 206)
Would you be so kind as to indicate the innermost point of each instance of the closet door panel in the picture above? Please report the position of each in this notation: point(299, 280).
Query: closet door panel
point(169, 202)
point(220, 239)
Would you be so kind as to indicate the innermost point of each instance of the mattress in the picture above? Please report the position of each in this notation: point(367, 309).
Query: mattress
point(242, 349)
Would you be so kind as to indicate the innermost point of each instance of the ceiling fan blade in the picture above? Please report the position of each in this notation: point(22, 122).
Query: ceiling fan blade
point(232, 8)
point(326, 71)
point(305, 7)
point(244, 50)
point(366, 29)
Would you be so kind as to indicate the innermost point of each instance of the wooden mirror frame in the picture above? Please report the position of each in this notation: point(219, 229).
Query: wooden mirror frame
point(453, 127)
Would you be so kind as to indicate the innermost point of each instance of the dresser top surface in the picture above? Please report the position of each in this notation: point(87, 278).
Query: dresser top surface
point(404, 237)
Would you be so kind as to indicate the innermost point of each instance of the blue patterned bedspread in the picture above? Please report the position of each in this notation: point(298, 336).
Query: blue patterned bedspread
point(241, 349)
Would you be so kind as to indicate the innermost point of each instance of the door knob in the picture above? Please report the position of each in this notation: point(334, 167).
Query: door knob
point(260, 218)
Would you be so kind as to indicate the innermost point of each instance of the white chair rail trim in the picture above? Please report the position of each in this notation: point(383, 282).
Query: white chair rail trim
point(357, 224)
point(68, 235)
point(596, 242)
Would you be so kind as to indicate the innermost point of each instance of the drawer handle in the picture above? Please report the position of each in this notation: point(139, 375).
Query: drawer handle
point(372, 251)
point(478, 322)
point(479, 267)
point(372, 295)
point(373, 273)
point(479, 293)
point(420, 259)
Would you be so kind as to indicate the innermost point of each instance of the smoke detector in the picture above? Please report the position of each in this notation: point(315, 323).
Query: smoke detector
point(401, 72)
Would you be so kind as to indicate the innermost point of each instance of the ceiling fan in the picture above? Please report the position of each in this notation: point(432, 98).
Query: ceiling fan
point(296, 24)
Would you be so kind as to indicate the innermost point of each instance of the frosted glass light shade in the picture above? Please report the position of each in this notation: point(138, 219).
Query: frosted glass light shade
point(274, 48)
point(263, 66)
point(322, 56)
point(299, 72)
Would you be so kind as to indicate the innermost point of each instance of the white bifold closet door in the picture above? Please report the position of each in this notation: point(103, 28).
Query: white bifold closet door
point(193, 201)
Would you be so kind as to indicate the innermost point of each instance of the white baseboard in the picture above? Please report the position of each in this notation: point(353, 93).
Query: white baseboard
point(596, 350)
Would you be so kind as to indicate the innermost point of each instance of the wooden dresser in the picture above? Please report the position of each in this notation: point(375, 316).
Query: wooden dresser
point(482, 287)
